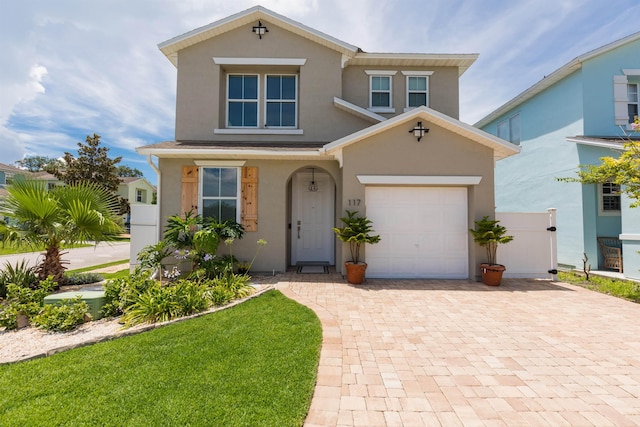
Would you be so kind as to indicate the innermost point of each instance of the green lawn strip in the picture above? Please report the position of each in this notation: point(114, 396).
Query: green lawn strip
point(99, 266)
point(251, 365)
point(116, 275)
point(9, 249)
point(626, 289)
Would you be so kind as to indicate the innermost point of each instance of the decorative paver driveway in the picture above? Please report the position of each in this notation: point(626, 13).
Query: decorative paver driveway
point(428, 353)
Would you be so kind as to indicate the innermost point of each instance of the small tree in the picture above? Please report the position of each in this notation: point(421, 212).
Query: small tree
point(489, 234)
point(356, 231)
point(624, 170)
point(69, 214)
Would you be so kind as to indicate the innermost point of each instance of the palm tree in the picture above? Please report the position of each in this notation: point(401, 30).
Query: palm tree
point(69, 214)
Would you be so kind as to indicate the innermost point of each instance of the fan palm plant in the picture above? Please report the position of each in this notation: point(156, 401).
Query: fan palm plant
point(69, 214)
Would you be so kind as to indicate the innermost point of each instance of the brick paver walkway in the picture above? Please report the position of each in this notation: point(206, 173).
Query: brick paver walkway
point(429, 353)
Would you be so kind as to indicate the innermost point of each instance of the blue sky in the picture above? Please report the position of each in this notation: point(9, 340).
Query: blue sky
point(70, 68)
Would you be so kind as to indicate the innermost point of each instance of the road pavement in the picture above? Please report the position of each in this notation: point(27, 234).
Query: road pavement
point(101, 253)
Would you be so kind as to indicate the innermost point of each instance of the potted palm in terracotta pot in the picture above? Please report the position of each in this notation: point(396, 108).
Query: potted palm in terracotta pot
point(357, 230)
point(489, 234)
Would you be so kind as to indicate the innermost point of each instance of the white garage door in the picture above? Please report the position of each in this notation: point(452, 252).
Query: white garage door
point(424, 232)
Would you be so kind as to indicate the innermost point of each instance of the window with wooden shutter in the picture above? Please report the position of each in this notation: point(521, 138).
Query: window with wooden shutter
point(189, 201)
point(249, 207)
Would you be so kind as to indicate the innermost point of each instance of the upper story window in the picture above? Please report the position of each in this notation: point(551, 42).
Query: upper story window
point(139, 195)
point(417, 86)
point(509, 129)
point(609, 200)
point(220, 193)
point(281, 101)
point(632, 101)
point(381, 91)
point(242, 96)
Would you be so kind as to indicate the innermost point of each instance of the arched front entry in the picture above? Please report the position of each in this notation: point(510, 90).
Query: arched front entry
point(312, 217)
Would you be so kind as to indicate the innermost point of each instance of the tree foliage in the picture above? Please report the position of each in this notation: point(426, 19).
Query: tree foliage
point(624, 170)
point(73, 213)
point(126, 171)
point(93, 164)
point(38, 163)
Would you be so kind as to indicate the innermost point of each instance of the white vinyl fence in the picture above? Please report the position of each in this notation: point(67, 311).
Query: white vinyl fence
point(144, 230)
point(533, 251)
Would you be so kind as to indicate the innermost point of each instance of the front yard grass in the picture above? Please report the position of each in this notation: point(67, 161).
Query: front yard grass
point(626, 289)
point(251, 365)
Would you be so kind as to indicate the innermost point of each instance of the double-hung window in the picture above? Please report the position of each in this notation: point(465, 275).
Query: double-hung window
point(632, 101)
point(609, 199)
point(139, 195)
point(220, 193)
point(380, 92)
point(416, 91)
point(281, 100)
point(242, 96)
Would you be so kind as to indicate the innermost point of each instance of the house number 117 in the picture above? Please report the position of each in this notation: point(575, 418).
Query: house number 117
point(354, 202)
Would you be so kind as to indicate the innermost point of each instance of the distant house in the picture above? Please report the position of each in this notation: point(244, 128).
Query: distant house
point(136, 190)
point(575, 115)
point(7, 174)
point(282, 128)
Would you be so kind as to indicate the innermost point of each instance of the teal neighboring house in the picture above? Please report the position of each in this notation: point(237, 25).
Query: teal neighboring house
point(575, 115)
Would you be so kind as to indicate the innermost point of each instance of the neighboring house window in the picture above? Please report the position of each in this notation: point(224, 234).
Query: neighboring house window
point(220, 193)
point(509, 129)
point(632, 101)
point(50, 186)
point(281, 101)
point(242, 97)
point(380, 92)
point(609, 200)
point(139, 195)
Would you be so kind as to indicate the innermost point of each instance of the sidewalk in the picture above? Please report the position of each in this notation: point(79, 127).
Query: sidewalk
point(102, 253)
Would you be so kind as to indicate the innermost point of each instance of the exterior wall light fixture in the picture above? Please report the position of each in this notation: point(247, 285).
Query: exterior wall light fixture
point(313, 186)
point(260, 30)
point(419, 131)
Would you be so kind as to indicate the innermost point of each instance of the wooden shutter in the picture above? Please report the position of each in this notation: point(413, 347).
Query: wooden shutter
point(249, 206)
point(189, 200)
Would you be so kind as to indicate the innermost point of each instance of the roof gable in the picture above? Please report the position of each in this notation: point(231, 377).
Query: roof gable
point(249, 16)
point(500, 147)
point(551, 79)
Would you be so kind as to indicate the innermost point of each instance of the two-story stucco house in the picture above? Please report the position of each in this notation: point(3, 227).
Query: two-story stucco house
point(282, 128)
point(575, 115)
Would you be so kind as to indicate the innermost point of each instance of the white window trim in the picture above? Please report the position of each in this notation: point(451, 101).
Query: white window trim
point(238, 197)
point(139, 195)
point(426, 91)
point(380, 72)
point(417, 73)
point(259, 131)
point(242, 100)
point(295, 126)
point(637, 101)
point(601, 211)
point(388, 109)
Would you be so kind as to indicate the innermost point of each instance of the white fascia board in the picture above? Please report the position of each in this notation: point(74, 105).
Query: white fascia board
point(260, 61)
point(594, 143)
point(236, 153)
point(418, 180)
point(358, 111)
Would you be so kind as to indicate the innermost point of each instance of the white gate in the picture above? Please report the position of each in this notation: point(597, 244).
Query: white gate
point(533, 251)
point(144, 230)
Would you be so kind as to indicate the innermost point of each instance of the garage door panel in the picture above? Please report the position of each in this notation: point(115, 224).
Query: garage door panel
point(424, 232)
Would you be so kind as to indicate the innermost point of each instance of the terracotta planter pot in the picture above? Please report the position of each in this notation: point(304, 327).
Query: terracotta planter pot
point(355, 272)
point(492, 274)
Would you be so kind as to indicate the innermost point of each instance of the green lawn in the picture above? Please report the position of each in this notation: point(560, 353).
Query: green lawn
point(10, 249)
point(626, 289)
point(252, 365)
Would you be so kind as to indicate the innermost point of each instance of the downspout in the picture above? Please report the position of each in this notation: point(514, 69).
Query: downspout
point(158, 192)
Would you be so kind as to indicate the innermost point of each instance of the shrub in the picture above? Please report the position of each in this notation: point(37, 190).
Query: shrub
point(190, 297)
point(21, 300)
point(83, 278)
point(123, 292)
point(19, 274)
point(219, 295)
point(64, 317)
